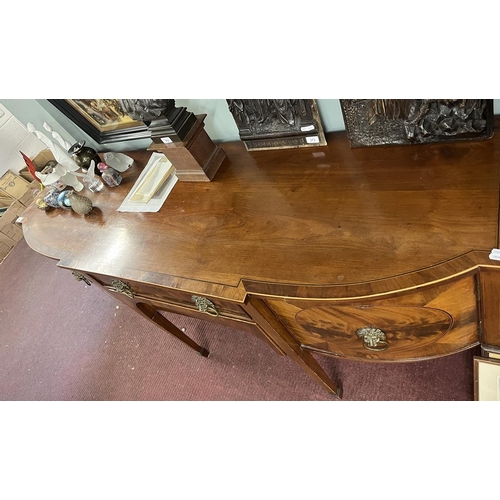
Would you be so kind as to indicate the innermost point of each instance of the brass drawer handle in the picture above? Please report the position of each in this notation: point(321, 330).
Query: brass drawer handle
point(121, 287)
point(204, 305)
point(80, 277)
point(373, 338)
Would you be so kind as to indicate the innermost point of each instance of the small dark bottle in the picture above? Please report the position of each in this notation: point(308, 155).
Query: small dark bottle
point(109, 175)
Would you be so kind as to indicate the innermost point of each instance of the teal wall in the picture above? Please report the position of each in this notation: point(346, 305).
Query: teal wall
point(219, 122)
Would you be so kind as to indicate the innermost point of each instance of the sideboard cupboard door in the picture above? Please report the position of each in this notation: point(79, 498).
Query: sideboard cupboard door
point(432, 321)
point(490, 305)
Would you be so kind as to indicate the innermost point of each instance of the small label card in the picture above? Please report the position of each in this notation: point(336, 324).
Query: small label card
point(307, 128)
point(312, 140)
point(166, 140)
point(495, 254)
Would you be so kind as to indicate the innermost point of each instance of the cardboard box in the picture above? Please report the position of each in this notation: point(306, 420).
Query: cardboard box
point(13, 185)
point(40, 161)
point(25, 174)
point(31, 193)
point(17, 192)
point(8, 226)
point(10, 231)
point(17, 195)
point(5, 200)
point(42, 158)
point(6, 245)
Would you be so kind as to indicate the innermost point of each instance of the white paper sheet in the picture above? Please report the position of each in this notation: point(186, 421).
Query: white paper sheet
point(156, 202)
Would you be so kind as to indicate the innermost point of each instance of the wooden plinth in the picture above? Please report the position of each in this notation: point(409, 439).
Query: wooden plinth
point(197, 158)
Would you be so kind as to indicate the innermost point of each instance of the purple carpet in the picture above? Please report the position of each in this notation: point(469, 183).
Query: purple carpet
point(63, 340)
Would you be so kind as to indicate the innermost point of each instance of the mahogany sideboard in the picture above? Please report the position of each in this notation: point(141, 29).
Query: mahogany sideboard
point(377, 254)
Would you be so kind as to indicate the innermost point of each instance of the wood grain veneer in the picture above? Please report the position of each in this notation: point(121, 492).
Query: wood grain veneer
point(323, 224)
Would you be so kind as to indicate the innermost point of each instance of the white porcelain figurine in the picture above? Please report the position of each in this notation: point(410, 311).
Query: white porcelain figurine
point(60, 155)
point(57, 136)
point(59, 173)
point(66, 168)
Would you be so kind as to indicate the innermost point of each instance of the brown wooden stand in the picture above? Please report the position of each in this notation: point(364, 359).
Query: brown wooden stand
point(196, 158)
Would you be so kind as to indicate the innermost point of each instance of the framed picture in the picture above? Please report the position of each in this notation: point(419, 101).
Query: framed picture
point(102, 119)
point(486, 379)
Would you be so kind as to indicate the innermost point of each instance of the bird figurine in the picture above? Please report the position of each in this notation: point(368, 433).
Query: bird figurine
point(42, 204)
point(80, 204)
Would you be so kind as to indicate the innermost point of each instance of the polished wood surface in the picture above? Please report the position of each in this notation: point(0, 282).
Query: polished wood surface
point(315, 214)
point(329, 224)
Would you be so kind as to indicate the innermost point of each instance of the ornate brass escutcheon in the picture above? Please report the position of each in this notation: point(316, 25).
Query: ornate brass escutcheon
point(80, 277)
point(204, 305)
point(373, 338)
point(121, 287)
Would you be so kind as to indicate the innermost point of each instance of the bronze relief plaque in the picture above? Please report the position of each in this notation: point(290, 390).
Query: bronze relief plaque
point(380, 122)
point(277, 123)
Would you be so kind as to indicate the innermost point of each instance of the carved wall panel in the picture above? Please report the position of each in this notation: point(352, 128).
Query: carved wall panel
point(378, 122)
point(277, 123)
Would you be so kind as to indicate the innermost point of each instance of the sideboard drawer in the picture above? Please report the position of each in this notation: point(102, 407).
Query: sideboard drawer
point(207, 305)
point(431, 322)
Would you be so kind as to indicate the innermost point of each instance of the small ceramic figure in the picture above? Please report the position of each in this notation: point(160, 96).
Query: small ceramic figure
point(80, 204)
point(90, 180)
point(60, 174)
point(42, 204)
point(109, 175)
point(63, 200)
point(119, 161)
point(51, 197)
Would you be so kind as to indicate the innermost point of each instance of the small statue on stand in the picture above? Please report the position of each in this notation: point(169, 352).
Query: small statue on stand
point(144, 109)
point(179, 135)
point(161, 116)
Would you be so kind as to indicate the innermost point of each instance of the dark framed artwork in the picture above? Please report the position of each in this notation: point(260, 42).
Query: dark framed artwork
point(277, 123)
point(102, 119)
point(381, 122)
